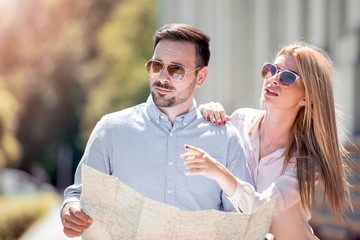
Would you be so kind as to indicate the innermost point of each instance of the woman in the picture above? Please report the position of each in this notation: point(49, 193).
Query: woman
point(290, 147)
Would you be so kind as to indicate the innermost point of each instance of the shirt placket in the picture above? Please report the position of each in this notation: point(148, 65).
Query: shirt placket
point(170, 191)
point(170, 173)
point(255, 154)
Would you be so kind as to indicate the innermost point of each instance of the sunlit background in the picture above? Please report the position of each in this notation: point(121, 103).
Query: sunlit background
point(65, 63)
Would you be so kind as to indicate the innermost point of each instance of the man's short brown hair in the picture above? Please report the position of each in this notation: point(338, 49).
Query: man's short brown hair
point(184, 32)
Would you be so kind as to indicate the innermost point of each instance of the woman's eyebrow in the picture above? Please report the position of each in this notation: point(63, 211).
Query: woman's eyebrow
point(286, 69)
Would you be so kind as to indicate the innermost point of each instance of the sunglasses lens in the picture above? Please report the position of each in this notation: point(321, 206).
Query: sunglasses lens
point(176, 72)
point(154, 67)
point(287, 78)
point(268, 71)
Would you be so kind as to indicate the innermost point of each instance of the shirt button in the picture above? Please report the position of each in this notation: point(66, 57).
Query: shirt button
point(162, 117)
point(185, 123)
point(171, 134)
point(170, 163)
point(169, 191)
point(249, 133)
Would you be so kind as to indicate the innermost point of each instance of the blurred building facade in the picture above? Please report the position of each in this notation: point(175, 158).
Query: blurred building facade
point(246, 33)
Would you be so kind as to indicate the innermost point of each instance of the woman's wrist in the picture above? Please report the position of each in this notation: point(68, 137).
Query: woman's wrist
point(226, 181)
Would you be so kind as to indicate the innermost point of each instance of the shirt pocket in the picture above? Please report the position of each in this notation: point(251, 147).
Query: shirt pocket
point(202, 186)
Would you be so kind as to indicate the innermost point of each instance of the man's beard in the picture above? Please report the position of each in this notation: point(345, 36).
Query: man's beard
point(161, 101)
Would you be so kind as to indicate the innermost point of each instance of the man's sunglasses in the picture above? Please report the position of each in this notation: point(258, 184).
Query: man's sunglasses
point(286, 77)
point(177, 72)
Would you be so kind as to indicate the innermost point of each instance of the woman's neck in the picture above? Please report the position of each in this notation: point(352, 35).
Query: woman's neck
point(274, 130)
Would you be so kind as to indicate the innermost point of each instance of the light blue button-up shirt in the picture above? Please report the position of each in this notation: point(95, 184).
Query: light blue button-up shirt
point(141, 147)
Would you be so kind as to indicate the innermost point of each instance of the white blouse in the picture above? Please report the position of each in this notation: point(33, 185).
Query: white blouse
point(290, 220)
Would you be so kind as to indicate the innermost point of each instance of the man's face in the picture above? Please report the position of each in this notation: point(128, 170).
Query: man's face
point(167, 92)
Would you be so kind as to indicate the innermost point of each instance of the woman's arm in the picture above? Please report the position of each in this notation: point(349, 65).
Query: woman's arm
point(241, 194)
point(199, 162)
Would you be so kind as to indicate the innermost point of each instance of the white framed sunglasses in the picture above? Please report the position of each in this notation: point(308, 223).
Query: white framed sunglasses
point(286, 77)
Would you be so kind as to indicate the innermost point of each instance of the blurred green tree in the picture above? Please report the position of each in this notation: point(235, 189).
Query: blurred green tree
point(66, 63)
point(124, 44)
point(10, 149)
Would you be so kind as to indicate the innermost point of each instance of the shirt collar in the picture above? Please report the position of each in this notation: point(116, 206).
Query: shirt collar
point(155, 113)
point(254, 127)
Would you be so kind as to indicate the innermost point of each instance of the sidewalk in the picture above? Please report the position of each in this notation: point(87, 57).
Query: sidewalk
point(49, 227)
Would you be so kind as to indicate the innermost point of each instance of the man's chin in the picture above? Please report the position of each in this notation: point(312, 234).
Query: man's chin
point(162, 101)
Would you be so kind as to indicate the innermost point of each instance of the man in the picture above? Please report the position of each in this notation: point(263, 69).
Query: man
point(142, 145)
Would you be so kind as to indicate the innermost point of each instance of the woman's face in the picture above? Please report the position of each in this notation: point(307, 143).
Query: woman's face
point(275, 95)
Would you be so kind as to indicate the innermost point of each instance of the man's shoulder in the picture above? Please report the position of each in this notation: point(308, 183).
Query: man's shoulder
point(207, 126)
point(124, 116)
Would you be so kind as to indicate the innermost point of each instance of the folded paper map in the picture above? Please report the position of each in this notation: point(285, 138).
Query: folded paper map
point(119, 212)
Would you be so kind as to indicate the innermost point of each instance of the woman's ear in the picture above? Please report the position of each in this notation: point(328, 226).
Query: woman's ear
point(303, 102)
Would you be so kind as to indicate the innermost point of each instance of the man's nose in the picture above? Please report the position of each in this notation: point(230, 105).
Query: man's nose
point(164, 75)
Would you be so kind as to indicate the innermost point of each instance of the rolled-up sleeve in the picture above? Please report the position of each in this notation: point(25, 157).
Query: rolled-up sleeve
point(246, 199)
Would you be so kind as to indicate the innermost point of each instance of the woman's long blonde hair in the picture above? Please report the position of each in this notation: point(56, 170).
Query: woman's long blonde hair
point(314, 138)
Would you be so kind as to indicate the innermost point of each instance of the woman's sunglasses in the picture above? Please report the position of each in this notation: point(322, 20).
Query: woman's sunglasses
point(177, 72)
point(286, 77)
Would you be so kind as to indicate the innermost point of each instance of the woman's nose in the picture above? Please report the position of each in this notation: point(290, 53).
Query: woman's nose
point(275, 79)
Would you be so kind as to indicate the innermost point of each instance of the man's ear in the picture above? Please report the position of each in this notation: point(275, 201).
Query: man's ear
point(201, 76)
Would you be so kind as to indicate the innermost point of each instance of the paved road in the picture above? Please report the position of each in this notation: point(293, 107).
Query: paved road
point(49, 227)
